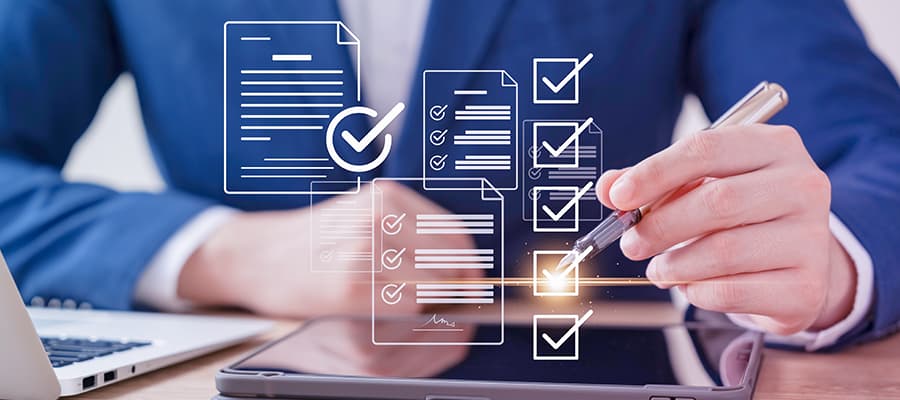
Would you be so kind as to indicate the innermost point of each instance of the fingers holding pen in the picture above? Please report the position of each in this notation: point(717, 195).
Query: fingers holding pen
point(747, 249)
point(717, 153)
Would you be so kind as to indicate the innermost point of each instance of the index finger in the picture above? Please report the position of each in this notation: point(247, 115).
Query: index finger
point(716, 153)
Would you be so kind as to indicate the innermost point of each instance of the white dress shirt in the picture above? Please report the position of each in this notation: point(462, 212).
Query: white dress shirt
point(391, 33)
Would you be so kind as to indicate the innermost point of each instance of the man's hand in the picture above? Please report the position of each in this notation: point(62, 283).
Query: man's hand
point(260, 261)
point(750, 209)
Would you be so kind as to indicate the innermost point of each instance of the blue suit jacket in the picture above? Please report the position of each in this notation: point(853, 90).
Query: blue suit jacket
point(86, 242)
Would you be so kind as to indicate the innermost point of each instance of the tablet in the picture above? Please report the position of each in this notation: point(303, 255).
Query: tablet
point(335, 358)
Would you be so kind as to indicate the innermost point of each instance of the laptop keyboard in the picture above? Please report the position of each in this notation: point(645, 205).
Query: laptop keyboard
point(65, 351)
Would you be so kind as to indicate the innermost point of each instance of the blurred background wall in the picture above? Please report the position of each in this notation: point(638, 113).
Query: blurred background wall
point(114, 150)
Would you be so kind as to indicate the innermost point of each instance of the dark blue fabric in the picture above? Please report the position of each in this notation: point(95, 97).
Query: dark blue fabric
point(58, 57)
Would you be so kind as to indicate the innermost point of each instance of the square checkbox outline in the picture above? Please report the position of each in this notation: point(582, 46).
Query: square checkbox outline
point(534, 209)
point(536, 276)
point(535, 81)
point(534, 143)
point(536, 337)
point(526, 192)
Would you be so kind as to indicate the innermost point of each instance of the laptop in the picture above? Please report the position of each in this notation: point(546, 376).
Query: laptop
point(47, 353)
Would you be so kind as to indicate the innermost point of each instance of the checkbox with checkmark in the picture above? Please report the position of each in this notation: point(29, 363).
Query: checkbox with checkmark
point(557, 80)
point(558, 210)
point(557, 143)
point(548, 281)
point(555, 336)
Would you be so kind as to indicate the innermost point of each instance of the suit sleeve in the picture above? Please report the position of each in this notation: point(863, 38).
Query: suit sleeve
point(844, 102)
point(68, 240)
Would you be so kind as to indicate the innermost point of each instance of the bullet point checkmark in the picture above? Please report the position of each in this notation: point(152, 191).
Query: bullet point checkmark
point(391, 224)
point(437, 137)
point(372, 134)
point(534, 173)
point(392, 293)
point(326, 255)
point(438, 162)
point(392, 258)
point(557, 151)
point(568, 78)
point(556, 216)
point(556, 344)
point(438, 112)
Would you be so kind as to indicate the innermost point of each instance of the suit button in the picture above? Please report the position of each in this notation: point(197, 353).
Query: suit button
point(85, 306)
point(54, 303)
point(69, 304)
point(37, 301)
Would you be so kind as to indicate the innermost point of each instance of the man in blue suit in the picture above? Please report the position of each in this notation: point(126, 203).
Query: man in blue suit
point(790, 228)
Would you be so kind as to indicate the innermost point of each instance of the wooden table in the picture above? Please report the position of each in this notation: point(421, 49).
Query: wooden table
point(870, 371)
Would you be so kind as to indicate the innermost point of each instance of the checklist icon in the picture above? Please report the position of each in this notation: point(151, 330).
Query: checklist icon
point(550, 279)
point(407, 272)
point(558, 210)
point(555, 337)
point(556, 80)
point(556, 143)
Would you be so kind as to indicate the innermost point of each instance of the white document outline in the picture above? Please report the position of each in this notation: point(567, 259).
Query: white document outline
point(340, 27)
point(314, 235)
point(488, 193)
point(593, 129)
point(534, 267)
point(515, 134)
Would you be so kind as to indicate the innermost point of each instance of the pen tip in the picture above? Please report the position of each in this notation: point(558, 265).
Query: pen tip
point(567, 259)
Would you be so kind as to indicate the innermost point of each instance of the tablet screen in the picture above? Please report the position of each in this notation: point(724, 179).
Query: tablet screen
point(677, 355)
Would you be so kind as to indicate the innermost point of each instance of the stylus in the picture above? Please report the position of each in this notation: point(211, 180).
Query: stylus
point(760, 104)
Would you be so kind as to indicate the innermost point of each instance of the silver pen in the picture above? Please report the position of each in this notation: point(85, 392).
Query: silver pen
point(763, 102)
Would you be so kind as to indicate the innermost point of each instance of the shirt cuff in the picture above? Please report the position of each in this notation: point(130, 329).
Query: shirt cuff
point(812, 341)
point(158, 285)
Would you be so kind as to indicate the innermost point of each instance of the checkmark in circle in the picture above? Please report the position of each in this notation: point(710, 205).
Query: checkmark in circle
point(392, 293)
point(360, 145)
point(438, 112)
point(326, 255)
point(371, 135)
point(391, 224)
point(438, 162)
point(392, 258)
point(535, 152)
point(557, 87)
point(534, 173)
point(437, 136)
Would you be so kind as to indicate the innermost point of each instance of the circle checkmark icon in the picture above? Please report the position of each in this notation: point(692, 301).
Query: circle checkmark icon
point(438, 112)
point(392, 293)
point(360, 145)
